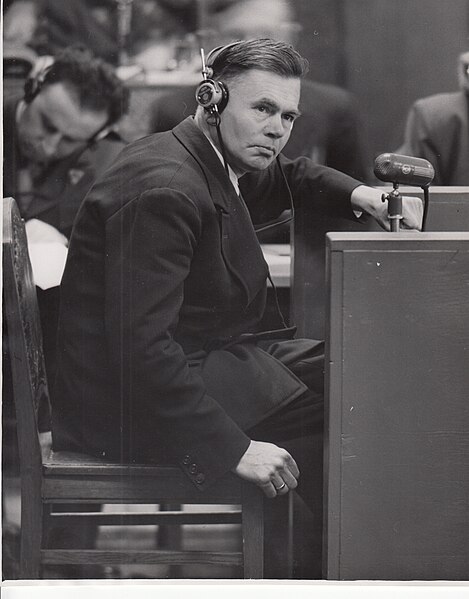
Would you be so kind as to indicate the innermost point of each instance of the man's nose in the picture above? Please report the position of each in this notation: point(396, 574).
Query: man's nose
point(50, 143)
point(275, 127)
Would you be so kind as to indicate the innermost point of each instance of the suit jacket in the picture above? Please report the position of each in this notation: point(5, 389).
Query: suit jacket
point(329, 130)
point(60, 189)
point(163, 262)
point(437, 129)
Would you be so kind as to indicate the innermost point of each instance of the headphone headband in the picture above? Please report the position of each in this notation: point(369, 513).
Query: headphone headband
point(215, 52)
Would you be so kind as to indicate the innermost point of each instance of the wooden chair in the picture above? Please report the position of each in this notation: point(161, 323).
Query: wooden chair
point(49, 477)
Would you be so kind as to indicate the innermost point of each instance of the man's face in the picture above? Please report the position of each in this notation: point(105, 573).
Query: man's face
point(258, 118)
point(54, 126)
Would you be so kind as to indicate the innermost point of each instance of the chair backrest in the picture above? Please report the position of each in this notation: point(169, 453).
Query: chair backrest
point(24, 336)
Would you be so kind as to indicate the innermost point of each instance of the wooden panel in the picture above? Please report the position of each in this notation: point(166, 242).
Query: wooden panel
point(448, 207)
point(308, 266)
point(321, 38)
point(64, 556)
point(448, 211)
point(397, 458)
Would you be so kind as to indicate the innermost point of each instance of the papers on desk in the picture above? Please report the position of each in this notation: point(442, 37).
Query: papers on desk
point(48, 263)
point(277, 256)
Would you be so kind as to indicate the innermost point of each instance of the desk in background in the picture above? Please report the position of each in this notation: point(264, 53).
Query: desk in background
point(277, 256)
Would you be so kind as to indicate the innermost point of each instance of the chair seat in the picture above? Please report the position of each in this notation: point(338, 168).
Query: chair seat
point(86, 477)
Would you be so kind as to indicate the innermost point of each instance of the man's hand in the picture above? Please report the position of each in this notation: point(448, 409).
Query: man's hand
point(370, 201)
point(270, 467)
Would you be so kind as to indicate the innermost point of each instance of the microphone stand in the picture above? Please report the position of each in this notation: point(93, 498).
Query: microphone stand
point(394, 200)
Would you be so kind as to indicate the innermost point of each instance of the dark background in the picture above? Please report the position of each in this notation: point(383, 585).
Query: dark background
point(387, 52)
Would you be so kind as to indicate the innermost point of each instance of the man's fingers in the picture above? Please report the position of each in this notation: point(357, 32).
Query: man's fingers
point(287, 478)
point(292, 466)
point(269, 489)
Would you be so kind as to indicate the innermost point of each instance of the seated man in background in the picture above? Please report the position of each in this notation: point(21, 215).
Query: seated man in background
point(437, 129)
point(58, 140)
point(162, 354)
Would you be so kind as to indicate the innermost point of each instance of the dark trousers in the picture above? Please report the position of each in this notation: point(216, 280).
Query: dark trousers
point(298, 428)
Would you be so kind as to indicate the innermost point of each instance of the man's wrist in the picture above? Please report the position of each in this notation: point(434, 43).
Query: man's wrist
point(365, 199)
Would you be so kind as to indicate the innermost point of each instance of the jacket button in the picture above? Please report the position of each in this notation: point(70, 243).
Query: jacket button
point(200, 478)
point(193, 469)
point(186, 460)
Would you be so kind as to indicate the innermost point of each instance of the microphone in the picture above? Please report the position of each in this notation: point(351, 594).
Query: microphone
point(406, 170)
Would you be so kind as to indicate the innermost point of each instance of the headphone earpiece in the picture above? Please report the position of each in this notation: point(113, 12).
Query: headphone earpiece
point(212, 94)
point(34, 83)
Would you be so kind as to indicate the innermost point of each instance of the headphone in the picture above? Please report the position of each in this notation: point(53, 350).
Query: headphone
point(34, 84)
point(212, 94)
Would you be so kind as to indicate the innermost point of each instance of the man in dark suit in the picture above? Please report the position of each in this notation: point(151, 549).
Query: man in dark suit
point(162, 354)
point(437, 129)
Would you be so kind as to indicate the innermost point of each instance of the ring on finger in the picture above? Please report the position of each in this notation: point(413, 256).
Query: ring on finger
point(282, 486)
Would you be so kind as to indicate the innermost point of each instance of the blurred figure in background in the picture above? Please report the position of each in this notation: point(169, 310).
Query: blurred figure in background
point(58, 138)
point(47, 26)
point(437, 129)
point(147, 30)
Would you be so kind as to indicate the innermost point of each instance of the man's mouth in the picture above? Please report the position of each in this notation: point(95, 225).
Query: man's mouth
point(267, 149)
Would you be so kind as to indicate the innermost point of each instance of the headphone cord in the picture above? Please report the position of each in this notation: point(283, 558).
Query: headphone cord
point(291, 217)
point(220, 139)
point(426, 197)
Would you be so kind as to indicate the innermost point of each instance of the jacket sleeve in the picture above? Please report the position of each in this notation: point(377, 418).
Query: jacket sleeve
point(149, 248)
point(267, 194)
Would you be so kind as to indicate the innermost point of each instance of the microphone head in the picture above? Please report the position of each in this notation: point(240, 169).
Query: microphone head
point(405, 170)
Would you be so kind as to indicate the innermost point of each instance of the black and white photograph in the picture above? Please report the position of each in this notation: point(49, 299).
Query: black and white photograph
point(235, 318)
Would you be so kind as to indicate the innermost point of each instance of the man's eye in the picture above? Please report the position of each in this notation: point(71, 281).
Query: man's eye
point(49, 127)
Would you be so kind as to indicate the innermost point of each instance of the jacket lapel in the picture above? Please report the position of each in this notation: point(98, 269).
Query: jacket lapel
point(240, 248)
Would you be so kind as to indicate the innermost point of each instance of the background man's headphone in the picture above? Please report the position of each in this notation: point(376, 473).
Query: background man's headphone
point(36, 78)
point(212, 94)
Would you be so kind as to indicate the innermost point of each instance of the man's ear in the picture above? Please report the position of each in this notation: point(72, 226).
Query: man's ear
point(463, 71)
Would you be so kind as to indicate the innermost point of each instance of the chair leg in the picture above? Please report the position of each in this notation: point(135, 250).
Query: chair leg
point(284, 531)
point(31, 536)
point(170, 537)
point(253, 531)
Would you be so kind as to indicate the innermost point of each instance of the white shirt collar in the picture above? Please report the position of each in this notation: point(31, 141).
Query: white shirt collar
point(233, 177)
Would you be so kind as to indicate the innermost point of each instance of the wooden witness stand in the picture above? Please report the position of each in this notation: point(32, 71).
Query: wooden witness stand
point(397, 412)
point(397, 389)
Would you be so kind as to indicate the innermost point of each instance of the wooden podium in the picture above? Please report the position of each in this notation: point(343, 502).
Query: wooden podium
point(448, 211)
point(397, 407)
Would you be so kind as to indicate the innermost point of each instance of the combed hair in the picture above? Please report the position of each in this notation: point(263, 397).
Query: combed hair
point(264, 54)
point(95, 82)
